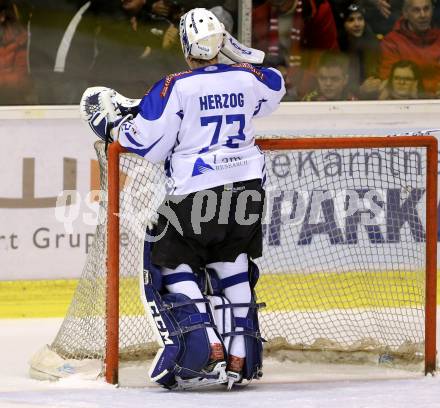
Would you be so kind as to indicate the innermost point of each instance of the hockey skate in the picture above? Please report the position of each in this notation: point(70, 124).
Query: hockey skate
point(214, 373)
point(234, 369)
point(217, 375)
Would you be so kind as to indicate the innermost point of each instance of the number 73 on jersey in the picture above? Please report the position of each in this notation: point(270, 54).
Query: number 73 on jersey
point(233, 141)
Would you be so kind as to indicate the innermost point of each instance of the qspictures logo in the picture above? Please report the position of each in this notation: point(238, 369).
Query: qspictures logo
point(338, 216)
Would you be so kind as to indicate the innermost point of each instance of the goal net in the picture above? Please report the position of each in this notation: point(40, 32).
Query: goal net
point(349, 263)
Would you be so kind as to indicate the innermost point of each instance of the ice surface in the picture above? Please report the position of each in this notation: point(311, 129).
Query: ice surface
point(284, 384)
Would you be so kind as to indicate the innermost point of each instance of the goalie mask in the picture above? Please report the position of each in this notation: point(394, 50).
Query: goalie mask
point(201, 34)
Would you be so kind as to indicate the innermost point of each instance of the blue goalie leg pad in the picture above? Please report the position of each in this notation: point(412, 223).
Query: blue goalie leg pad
point(181, 329)
point(253, 362)
point(164, 364)
point(253, 341)
point(191, 327)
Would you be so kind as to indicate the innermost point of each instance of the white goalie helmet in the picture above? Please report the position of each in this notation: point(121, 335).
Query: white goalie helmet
point(201, 34)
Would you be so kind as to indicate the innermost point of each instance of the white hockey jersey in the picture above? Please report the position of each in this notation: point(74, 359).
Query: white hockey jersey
point(200, 123)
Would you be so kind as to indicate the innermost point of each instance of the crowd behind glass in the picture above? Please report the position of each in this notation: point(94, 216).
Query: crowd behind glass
point(51, 50)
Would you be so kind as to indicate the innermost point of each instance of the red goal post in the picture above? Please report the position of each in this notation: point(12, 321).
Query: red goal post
point(283, 144)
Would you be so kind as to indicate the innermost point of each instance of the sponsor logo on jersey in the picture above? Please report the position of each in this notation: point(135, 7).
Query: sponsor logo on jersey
point(169, 80)
point(129, 130)
point(258, 108)
point(231, 162)
point(211, 68)
point(251, 68)
point(200, 167)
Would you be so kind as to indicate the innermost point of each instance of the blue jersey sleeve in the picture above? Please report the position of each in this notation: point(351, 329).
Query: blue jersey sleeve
point(270, 89)
point(152, 134)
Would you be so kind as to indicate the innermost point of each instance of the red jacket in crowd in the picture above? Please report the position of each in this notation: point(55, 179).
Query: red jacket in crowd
point(319, 32)
point(423, 50)
point(13, 57)
point(313, 31)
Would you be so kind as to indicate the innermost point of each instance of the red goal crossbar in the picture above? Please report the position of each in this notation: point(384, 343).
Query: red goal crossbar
point(428, 142)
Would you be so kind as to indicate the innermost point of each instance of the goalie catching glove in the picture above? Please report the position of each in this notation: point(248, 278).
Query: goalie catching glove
point(105, 110)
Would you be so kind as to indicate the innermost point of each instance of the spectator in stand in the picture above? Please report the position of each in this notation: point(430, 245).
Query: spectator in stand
point(414, 39)
point(382, 14)
point(116, 43)
point(294, 33)
point(332, 79)
point(14, 78)
point(361, 46)
point(404, 82)
point(134, 48)
point(172, 10)
point(168, 9)
point(436, 13)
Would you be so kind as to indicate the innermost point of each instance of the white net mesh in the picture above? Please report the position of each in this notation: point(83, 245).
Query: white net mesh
point(343, 267)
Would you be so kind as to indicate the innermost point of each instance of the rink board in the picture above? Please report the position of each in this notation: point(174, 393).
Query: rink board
point(281, 292)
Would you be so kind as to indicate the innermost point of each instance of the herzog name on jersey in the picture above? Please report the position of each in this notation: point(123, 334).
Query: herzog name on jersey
point(204, 134)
